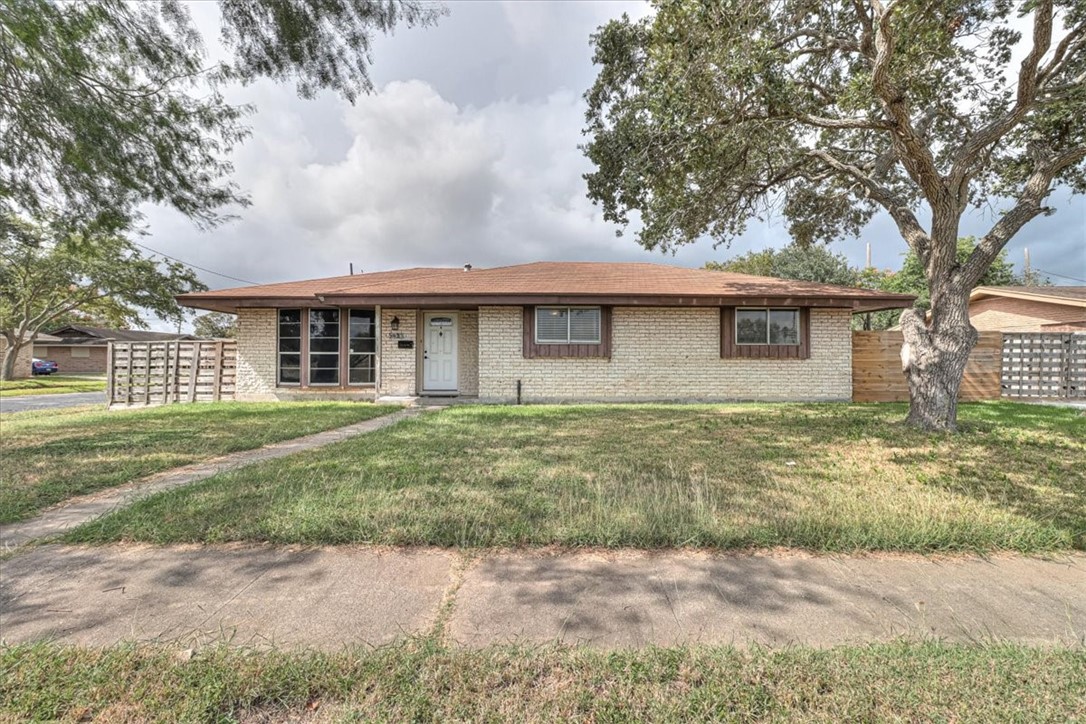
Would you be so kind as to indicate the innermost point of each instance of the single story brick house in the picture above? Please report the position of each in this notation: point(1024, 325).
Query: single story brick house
point(547, 331)
point(79, 349)
point(1028, 309)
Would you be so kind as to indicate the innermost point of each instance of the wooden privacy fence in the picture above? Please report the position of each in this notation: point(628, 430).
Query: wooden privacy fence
point(1044, 365)
point(160, 373)
point(877, 375)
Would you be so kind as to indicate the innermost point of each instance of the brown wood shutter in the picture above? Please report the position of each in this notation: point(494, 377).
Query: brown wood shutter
point(534, 350)
point(729, 349)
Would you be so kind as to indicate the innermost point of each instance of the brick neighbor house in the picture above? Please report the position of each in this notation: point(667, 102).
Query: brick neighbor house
point(548, 331)
point(83, 350)
point(1028, 309)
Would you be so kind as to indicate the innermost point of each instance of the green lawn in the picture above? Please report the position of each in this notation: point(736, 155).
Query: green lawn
point(418, 681)
point(52, 385)
point(53, 455)
point(823, 477)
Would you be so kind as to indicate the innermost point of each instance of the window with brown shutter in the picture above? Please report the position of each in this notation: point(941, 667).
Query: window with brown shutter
point(765, 333)
point(566, 332)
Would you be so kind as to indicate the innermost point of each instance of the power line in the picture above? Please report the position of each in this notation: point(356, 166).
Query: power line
point(1061, 276)
point(209, 271)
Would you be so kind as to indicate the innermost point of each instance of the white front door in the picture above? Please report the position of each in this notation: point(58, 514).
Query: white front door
point(440, 330)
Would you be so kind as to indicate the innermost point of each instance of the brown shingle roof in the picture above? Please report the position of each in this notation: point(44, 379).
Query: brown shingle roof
point(611, 282)
point(78, 334)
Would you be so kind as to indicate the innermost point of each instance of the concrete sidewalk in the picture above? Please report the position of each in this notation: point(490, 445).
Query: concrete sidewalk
point(330, 597)
point(77, 511)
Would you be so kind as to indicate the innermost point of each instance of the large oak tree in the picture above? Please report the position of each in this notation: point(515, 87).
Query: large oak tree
point(707, 114)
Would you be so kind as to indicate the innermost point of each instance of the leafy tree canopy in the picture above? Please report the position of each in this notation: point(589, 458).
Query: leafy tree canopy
point(47, 273)
point(810, 264)
point(216, 325)
point(707, 114)
point(106, 104)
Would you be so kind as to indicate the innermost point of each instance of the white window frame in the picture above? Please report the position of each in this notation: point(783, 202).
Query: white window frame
point(767, 310)
point(569, 317)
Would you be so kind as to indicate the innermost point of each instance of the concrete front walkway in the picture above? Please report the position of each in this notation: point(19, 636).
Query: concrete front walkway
point(78, 511)
point(330, 597)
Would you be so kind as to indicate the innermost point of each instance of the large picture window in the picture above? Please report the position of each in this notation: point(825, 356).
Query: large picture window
point(567, 325)
point(767, 326)
point(362, 347)
point(324, 346)
point(290, 346)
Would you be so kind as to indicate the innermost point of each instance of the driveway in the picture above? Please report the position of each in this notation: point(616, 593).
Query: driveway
point(51, 402)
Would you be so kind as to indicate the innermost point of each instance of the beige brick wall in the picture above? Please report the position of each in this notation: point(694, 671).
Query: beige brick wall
point(68, 358)
point(398, 365)
point(23, 359)
point(1020, 315)
point(663, 353)
point(256, 336)
point(468, 354)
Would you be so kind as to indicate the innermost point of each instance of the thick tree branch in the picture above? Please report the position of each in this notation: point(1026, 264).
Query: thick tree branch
point(1024, 99)
point(913, 150)
point(903, 216)
point(1037, 187)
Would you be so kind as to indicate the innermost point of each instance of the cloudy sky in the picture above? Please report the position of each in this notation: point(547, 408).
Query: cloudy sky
point(468, 153)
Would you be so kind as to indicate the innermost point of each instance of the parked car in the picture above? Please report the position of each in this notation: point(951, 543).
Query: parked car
point(43, 367)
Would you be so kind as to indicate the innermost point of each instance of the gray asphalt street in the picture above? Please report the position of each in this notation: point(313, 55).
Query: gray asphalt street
point(50, 402)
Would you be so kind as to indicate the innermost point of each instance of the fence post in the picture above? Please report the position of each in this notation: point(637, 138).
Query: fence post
point(216, 385)
point(194, 370)
point(110, 372)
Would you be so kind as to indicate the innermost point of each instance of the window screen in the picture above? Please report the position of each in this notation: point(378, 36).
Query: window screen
point(767, 326)
point(362, 347)
point(584, 326)
point(552, 324)
point(324, 346)
point(567, 325)
point(290, 346)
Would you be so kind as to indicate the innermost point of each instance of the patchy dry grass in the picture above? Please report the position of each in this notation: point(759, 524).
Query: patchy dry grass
point(52, 385)
point(50, 456)
point(421, 682)
point(824, 477)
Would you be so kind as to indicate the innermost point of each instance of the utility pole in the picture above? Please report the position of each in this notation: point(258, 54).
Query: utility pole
point(352, 268)
point(1029, 274)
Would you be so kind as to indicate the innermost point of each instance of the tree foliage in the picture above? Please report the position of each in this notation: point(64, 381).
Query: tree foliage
point(47, 273)
point(705, 115)
point(813, 264)
point(216, 325)
point(107, 104)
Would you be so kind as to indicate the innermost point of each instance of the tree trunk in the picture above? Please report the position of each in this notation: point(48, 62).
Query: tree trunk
point(933, 357)
point(11, 353)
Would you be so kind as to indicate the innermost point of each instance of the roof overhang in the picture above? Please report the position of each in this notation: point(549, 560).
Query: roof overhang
point(989, 292)
point(231, 304)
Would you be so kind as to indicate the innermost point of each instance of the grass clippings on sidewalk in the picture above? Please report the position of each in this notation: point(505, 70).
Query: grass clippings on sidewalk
point(418, 681)
point(52, 385)
point(50, 456)
point(824, 477)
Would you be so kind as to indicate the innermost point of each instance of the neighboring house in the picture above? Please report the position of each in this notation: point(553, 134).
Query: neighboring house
point(549, 331)
point(1028, 309)
point(25, 355)
point(84, 350)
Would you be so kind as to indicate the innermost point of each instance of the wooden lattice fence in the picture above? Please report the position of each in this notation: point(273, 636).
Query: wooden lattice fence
point(160, 373)
point(1044, 365)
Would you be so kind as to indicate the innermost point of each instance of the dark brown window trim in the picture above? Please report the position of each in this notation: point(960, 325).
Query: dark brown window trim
point(729, 349)
point(533, 349)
